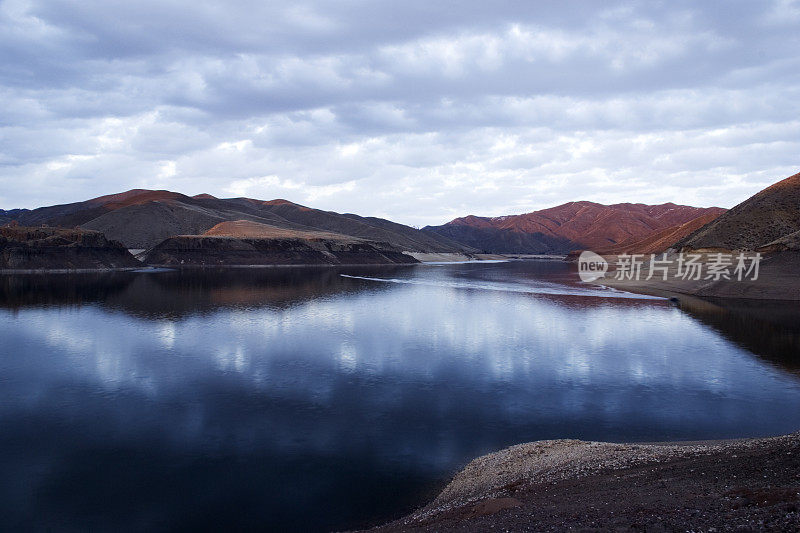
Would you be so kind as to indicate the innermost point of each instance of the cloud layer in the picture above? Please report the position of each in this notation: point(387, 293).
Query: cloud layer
point(418, 113)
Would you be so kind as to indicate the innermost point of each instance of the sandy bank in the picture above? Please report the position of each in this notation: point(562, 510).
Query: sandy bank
point(752, 484)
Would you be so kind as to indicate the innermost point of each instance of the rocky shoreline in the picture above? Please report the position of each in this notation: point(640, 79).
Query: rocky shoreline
point(743, 485)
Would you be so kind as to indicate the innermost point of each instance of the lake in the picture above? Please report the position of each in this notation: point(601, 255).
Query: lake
point(314, 399)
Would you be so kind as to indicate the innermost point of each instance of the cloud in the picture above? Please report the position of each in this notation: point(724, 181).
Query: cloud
point(416, 112)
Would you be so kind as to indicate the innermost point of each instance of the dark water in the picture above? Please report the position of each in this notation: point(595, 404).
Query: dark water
point(303, 400)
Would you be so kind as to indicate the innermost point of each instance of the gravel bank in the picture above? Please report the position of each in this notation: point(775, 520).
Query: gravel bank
point(742, 485)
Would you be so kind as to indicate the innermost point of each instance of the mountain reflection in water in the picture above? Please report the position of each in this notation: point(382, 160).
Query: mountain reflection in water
point(313, 399)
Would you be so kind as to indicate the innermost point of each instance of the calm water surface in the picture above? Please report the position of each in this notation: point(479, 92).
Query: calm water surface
point(311, 399)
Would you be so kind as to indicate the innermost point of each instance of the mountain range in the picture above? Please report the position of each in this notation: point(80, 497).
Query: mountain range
point(173, 228)
point(140, 219)
point(579, 225)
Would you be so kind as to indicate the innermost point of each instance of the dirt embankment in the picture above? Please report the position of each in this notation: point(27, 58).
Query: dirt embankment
point(743, 485)
point(27, 248)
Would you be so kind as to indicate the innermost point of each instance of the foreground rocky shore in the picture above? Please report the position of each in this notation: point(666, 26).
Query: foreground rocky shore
point(737, 485)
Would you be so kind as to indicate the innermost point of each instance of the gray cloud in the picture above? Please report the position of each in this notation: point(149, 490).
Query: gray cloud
point(417, 112)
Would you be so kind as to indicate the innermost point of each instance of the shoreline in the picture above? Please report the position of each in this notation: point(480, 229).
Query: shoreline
point(751, 483)
point(155, 267)
point(7, 271)
point(537, 257)
point(177, 268)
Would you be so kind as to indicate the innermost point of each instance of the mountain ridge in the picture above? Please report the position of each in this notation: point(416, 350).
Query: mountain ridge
point(142, 218)
point(570, 226)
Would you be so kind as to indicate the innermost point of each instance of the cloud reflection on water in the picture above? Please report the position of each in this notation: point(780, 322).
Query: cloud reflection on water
point(401, 380)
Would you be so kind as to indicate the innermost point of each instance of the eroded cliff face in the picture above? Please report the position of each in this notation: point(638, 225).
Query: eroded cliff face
point(215, 250)
point(27, 248)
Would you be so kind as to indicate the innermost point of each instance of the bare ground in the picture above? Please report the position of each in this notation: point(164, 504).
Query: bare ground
point(567, 485)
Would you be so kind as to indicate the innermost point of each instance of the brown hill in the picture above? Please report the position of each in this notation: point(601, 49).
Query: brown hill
point(142, 218)
point(571, 226)
point(662, 240)
point(57, 248)
point(769, 216)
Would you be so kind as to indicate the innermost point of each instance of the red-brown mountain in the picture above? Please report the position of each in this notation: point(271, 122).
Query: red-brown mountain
point(142, 218)
point(571, 226)
point(662, 240)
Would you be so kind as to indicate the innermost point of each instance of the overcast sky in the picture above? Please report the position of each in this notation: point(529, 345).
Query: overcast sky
point(419, 111)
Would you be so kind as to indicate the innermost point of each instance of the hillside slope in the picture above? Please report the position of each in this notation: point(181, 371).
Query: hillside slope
point(768, 216)
point(246, 229)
